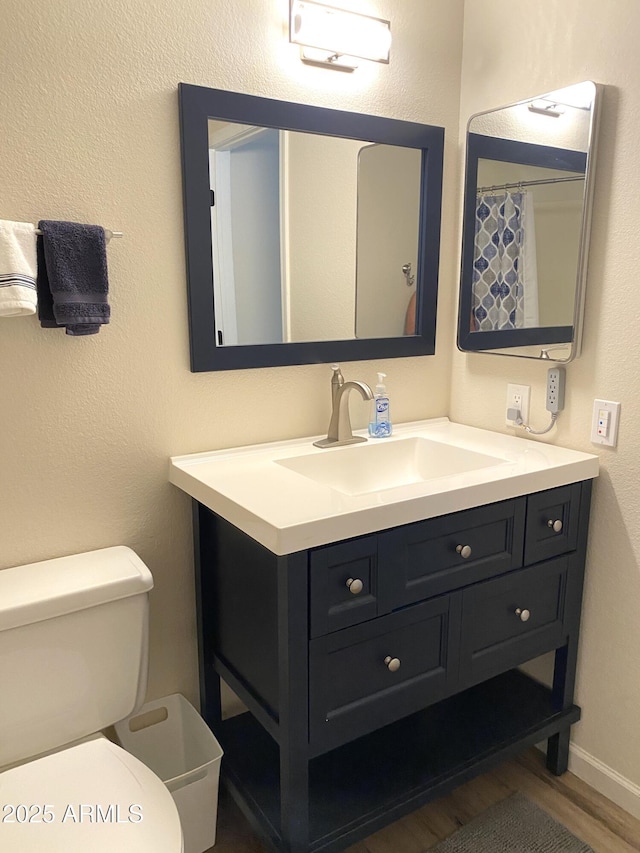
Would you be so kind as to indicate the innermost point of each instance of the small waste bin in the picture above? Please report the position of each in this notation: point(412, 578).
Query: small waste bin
point(172, 739)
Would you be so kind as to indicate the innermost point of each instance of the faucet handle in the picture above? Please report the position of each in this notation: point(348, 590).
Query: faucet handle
point(337, 381)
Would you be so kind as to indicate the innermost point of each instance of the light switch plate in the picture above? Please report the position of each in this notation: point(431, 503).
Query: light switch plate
point(604, 423)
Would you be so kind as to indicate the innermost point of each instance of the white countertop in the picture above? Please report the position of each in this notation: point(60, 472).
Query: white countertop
point(287, 512)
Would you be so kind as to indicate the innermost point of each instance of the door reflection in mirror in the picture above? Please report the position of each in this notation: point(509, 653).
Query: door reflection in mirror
point(387, 239)
point(244, 169)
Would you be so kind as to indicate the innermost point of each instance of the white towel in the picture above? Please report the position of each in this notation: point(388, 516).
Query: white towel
point(18, 268)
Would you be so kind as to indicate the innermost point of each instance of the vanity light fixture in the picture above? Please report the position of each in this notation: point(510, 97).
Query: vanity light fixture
point(546, 108)
point(335, 38)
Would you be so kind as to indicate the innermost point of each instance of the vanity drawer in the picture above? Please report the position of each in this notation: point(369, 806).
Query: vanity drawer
point(552, 523)
point(512, 619)
point(370, 675)
point(342, 585)
point(442, 554)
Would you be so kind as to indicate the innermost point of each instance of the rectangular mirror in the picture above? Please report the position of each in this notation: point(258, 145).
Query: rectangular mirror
point(312, 235)
point(528, 197)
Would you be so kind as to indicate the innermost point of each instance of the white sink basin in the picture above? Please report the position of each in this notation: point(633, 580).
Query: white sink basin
point(359, 469)
point(290, 495)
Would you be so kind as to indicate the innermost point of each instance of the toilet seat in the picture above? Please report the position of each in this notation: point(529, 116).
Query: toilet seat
point(93, 796)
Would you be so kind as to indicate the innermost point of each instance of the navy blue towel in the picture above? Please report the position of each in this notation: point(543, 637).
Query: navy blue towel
point(73, 284)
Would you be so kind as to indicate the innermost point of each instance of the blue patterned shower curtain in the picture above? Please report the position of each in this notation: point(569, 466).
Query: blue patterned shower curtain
point(498, 293)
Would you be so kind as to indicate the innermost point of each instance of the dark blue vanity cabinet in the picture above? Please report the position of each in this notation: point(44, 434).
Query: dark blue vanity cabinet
point(381, 672)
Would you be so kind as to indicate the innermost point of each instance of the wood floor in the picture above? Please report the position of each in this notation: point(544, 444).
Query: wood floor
point(589, 815)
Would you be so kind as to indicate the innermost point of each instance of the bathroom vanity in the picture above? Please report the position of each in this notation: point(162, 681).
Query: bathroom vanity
point(379, 669)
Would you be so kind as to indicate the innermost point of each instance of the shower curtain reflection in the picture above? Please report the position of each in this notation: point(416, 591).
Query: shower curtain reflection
point(504, 263)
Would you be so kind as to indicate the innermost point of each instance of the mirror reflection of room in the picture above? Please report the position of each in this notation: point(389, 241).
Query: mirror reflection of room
point(313, 237)
point(528, 222)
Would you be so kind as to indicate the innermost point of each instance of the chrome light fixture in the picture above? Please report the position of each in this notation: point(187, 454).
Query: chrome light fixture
point(545, 107)
point(335, 38)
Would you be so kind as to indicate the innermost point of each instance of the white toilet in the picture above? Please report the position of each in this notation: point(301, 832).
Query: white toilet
point(73, 660)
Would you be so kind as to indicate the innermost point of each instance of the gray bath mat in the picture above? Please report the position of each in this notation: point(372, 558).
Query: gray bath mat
point(515, 825)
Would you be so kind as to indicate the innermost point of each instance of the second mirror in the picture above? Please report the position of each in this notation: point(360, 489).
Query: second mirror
point(528, 196)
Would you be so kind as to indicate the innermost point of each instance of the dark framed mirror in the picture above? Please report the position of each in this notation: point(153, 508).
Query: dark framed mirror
point(312, 235)
point(527, 213)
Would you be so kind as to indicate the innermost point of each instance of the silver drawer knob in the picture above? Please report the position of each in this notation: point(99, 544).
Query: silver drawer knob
point(556, 525)
point(464, 551)
point(392, 664)
point(523, 614)
point(355, 586)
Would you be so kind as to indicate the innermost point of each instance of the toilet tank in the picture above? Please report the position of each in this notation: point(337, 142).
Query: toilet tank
point(73, 648)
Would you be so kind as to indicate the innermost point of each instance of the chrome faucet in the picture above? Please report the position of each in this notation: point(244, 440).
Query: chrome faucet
point(339, 431)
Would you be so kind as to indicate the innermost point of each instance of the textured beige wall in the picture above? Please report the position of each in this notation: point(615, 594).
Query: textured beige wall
point(89, 132)
point(542, 46)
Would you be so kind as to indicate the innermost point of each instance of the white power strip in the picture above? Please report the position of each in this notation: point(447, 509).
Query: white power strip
point(556, 380)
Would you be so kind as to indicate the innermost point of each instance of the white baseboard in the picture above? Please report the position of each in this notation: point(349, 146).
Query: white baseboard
point(602, 779)
point(605, 780)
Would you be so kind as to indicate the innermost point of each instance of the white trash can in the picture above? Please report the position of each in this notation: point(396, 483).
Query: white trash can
point(172, 739)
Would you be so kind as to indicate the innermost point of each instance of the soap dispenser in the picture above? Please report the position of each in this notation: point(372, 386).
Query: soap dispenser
point(380, 423)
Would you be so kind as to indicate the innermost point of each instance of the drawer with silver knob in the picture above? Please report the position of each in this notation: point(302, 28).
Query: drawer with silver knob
point(372, 674)
point(511, 619)
point(552, 523)
point(442, 554)
point(343, 585)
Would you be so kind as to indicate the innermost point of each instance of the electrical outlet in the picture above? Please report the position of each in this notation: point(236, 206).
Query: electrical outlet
point(518, 397)
point(556, 377)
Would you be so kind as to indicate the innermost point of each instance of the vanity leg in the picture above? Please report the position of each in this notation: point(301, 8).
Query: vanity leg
point(564, 676)
point(566, 659)
point(294, 800)
point(558, 752)
point(293, 639)
point(210, 701)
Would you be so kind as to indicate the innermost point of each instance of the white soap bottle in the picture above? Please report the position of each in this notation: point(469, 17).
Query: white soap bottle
point(380, 422)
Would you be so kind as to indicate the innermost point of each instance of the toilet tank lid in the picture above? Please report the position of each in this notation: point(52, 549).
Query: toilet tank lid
point(51, 588)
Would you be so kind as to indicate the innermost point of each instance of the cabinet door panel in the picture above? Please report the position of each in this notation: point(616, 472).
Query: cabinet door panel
point(544, 509)
point(333, 603)
point(512, 619)
point(365, 677)
point(445, 553)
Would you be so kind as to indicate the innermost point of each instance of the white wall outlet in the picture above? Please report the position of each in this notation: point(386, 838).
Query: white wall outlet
point(518, 397)
point(604, 423)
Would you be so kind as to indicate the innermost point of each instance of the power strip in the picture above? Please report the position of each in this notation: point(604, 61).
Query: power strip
point(556, 379)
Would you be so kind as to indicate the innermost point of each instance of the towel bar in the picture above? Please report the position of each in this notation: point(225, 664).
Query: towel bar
point(107, 233)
